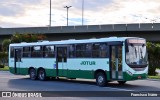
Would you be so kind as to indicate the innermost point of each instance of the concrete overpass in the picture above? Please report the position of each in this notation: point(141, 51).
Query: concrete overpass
point(150, 31)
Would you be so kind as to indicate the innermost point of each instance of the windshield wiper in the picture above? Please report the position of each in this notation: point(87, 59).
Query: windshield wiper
point(135, 52)
point(141, 53)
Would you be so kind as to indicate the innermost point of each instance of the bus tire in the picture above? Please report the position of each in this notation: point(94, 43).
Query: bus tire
point(101, 79)
point(121, 82)
point(32, 74)
point(42, 75)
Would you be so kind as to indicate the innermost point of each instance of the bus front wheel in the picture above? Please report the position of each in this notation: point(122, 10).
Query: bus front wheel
point(42, 75)
point(32, 74)
point(101, 79)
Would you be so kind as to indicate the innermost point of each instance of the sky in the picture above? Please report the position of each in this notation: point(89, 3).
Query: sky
point(35, 13)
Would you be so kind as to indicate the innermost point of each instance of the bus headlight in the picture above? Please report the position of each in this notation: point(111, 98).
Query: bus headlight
point(129, 73)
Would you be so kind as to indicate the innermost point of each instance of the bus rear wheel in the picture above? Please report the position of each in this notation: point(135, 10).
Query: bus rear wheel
point(101, 79)
point(32, 74)
point(42, 75)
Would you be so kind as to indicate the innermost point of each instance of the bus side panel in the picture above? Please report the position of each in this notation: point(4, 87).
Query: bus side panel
point(50, 72)
point(46, 63)
point(11, 65)
point(88, 74)
point(11, 62)
point(86, 67)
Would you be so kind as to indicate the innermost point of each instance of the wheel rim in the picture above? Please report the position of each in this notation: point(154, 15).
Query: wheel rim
point(32, 74)
point(41, 75)
point(100, 79)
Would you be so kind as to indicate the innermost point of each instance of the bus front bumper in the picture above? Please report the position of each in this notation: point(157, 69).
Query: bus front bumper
point(128, 77)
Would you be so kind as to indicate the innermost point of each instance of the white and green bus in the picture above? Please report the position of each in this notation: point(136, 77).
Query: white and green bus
point(105, 59)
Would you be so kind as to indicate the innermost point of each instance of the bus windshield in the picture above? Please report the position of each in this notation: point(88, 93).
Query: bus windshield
point(136, 53)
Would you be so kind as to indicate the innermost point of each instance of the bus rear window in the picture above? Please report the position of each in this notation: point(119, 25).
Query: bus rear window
point(11, 52)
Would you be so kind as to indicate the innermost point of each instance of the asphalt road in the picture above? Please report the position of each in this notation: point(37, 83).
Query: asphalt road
point(10, 82)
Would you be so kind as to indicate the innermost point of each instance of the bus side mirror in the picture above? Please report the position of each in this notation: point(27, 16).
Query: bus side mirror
point(143, 45)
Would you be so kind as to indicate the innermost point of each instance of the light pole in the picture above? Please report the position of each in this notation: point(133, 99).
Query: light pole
point(82, 10)
point(67, 12)
point(50, 14)
point(153, 20)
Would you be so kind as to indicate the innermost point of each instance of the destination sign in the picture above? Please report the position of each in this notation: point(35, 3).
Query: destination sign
point(136, 41)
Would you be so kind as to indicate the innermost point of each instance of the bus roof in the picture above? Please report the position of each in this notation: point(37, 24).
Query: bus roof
point(73, 41)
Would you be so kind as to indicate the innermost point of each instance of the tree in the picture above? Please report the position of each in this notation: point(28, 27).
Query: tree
point(153, 57)
point(5, 44)
point(17, 38)
point(4, 52)
point(26, 37)
point(3, 59)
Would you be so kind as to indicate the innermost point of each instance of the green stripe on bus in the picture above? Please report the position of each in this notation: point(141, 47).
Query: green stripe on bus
point(88, 74)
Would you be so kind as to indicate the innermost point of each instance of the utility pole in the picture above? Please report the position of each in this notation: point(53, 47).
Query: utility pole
point(50, 14)
point(82, 11)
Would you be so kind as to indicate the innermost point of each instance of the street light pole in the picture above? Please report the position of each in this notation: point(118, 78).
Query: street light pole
point(67, 12)
point(82, 10)
point(153, 21)
point(50, 15)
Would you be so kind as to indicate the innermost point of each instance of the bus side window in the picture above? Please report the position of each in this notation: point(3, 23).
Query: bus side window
point(72, 51)
point(79, 50)
point(95, 50)
point(83, 50)
point(26, 52)
point(103, 50)
point(49, 51)
point(88, 51)
point(36, 51)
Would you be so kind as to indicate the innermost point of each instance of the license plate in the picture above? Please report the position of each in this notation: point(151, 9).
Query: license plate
point(139, 77)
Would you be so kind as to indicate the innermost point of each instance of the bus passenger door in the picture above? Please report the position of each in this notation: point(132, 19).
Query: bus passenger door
point(17, 60)
point(61, 61)
point(116, 62)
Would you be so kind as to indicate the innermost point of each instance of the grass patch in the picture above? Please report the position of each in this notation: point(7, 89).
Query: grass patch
point(154, 77)
point(6, 68)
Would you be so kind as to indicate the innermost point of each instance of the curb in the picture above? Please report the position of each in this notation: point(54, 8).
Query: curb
point(153, 79)
point(4, 71)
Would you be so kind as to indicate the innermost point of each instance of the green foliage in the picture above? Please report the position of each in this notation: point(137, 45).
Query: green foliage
point(153, 57)
point(154, 77)
point(5, 68)
point(1, 66)
point(17, 38)
point(3, 58)
point(5, 44)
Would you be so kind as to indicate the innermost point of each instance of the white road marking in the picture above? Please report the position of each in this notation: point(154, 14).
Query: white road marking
point(119, 89)
point(13, 77)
